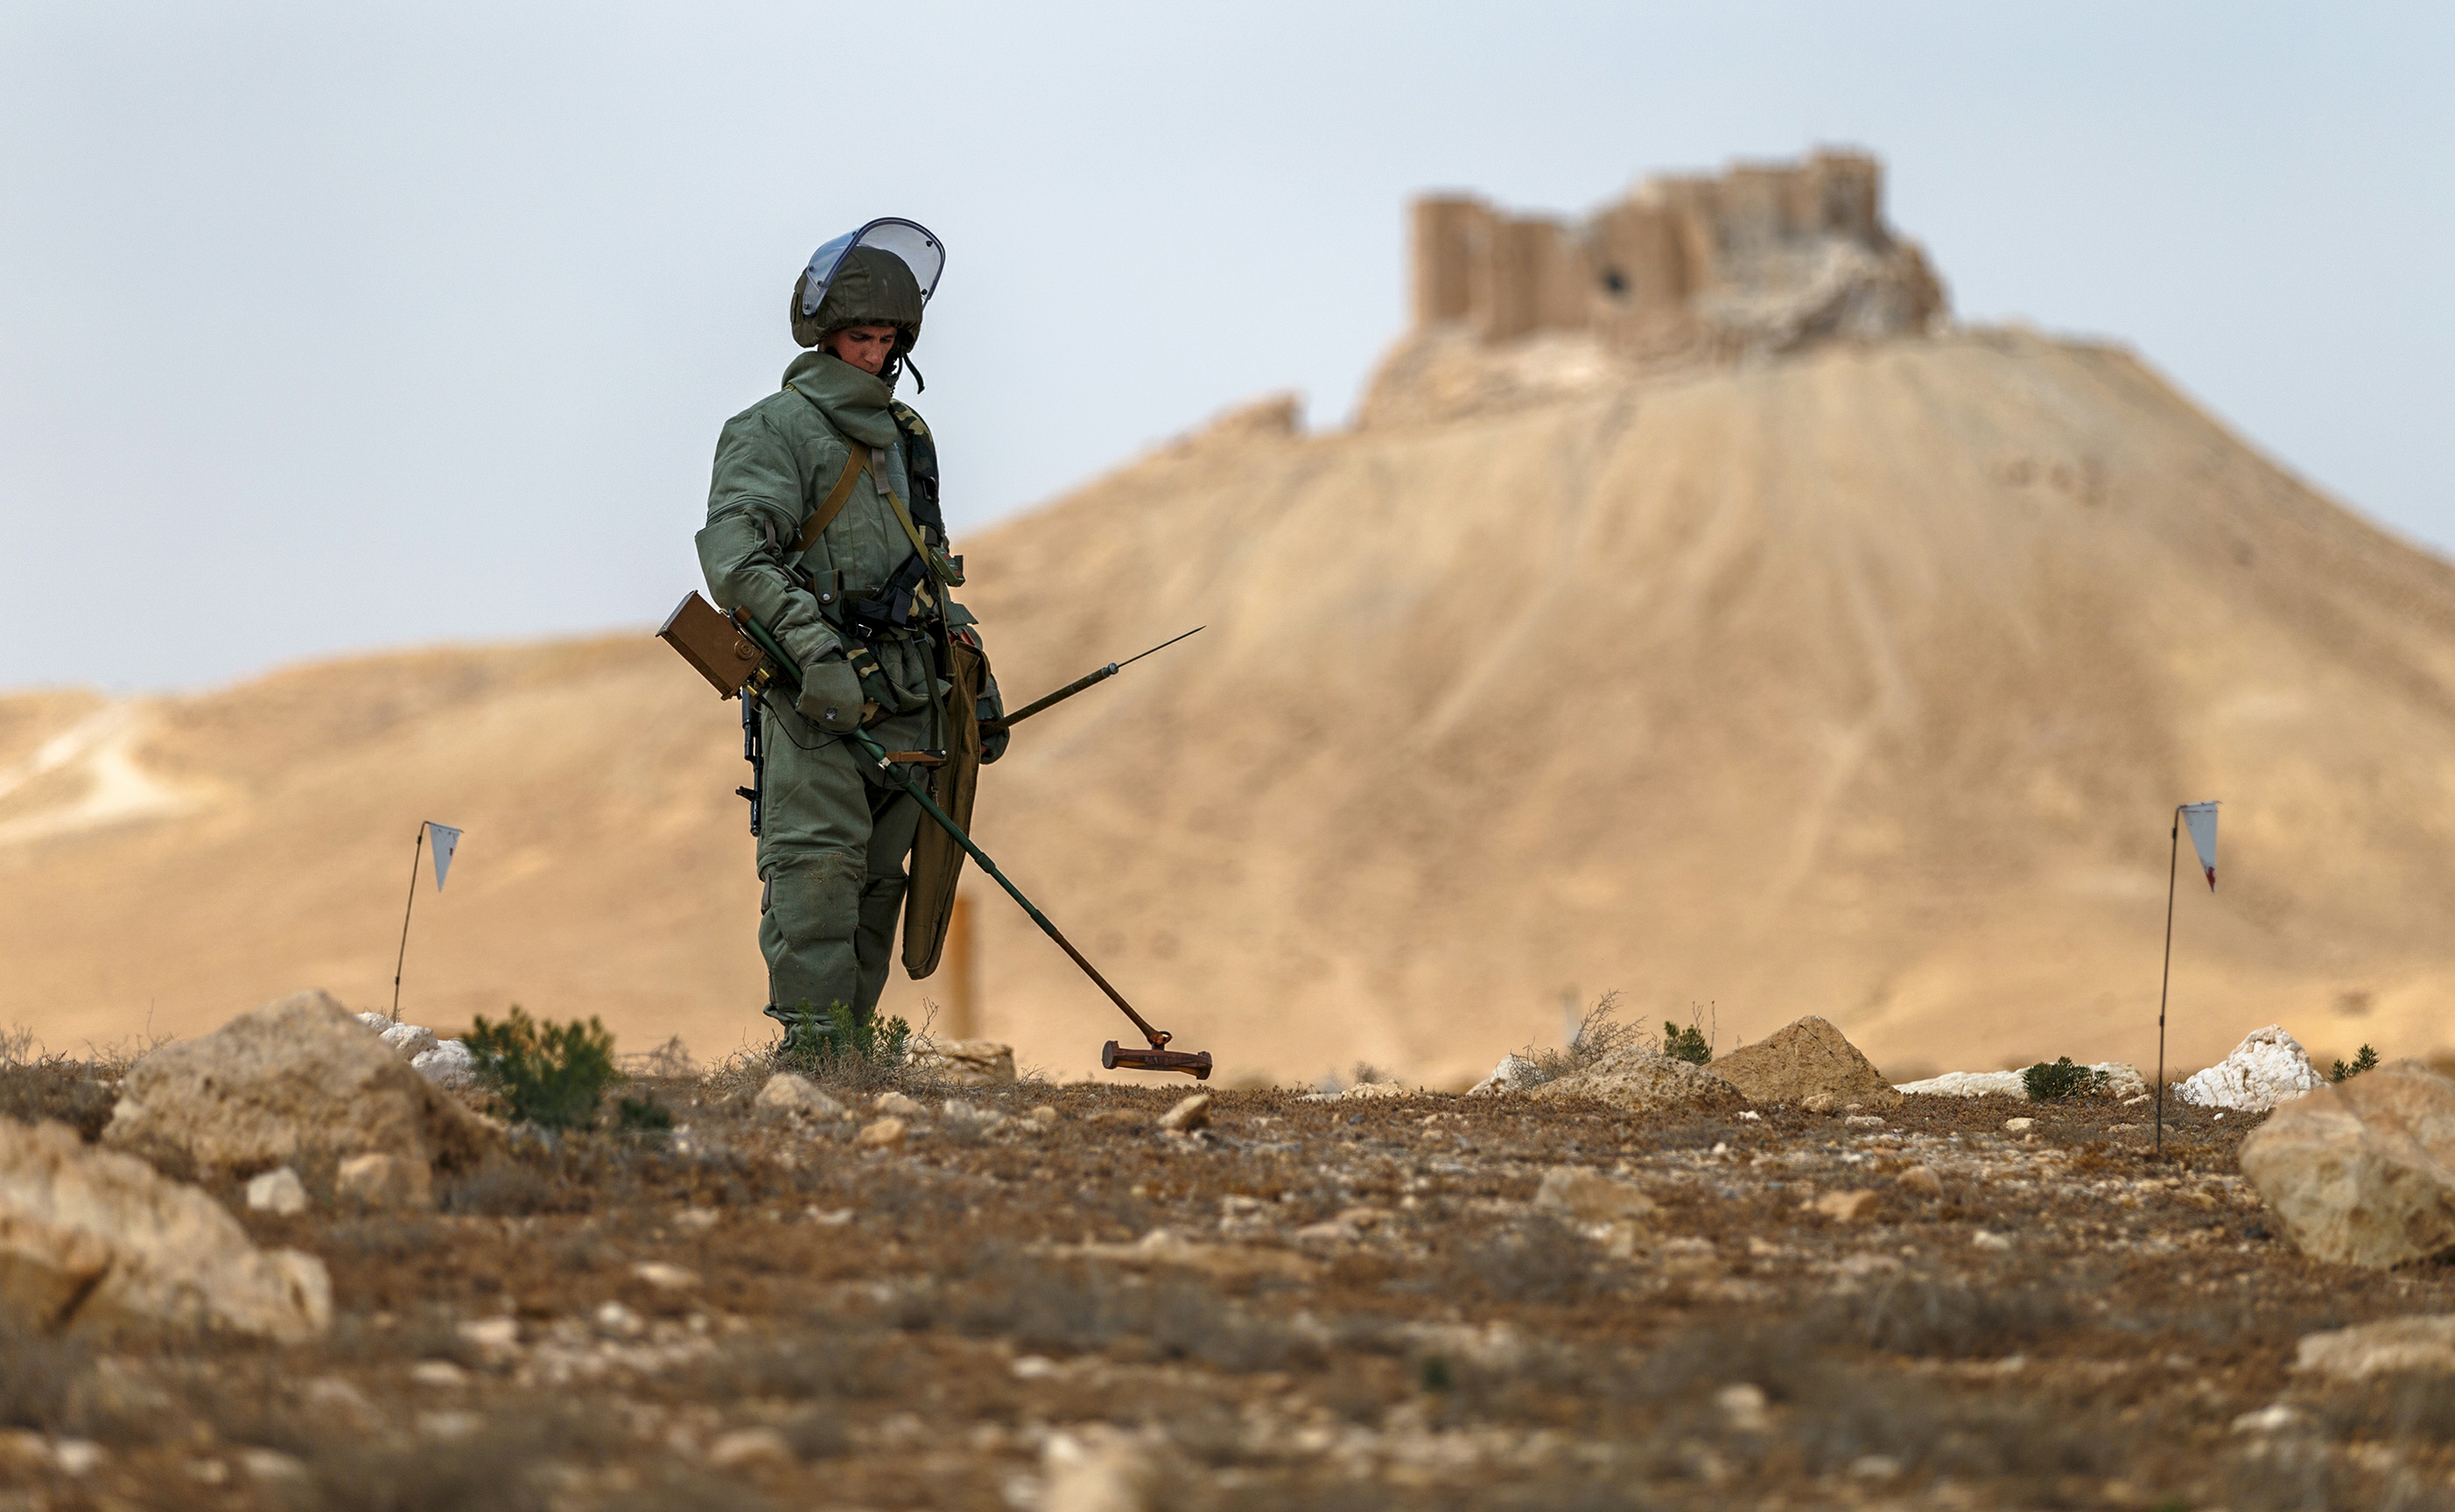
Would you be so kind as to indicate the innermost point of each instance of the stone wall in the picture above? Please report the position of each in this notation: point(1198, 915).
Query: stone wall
point(1763, 256)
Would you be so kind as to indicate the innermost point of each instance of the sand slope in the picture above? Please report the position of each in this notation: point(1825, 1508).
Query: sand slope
point(1860, 683)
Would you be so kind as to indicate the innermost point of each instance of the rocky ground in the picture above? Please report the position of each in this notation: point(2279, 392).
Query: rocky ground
point(1040, 1297)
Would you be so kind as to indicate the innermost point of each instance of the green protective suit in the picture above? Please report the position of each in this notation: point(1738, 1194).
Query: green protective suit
point(835, 831)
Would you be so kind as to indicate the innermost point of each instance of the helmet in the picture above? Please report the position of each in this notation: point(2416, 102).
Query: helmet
point(882, 275)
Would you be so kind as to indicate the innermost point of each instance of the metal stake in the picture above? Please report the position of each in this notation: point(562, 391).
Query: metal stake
point(416, 854)
point(2173, 860)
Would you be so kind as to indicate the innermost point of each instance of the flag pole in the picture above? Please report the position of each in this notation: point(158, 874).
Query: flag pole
point(417, 853)
point(2173, 866)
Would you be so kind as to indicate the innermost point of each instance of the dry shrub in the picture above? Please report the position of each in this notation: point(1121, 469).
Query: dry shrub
point(35, 1087)
point(1081, 1308)
point(1938, 1317)
point(1599, 1034)
point(1541, 1260)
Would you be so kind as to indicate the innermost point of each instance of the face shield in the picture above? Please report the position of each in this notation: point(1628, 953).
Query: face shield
point(922, 252)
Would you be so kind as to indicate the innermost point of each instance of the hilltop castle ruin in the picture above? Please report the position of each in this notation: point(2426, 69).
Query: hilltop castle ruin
point(1762, 258)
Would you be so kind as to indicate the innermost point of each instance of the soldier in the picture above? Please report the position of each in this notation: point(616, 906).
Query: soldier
point(823, 522)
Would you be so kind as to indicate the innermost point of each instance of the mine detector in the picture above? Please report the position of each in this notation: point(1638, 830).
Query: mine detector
point(741, 661)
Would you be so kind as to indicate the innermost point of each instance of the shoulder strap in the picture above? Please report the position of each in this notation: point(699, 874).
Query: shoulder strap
point(833, 504)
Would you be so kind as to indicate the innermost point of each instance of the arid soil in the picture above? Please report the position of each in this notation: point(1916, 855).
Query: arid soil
point(1355, 1305)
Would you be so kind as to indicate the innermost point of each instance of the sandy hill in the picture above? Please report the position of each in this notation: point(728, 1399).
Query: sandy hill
point(1856, 678)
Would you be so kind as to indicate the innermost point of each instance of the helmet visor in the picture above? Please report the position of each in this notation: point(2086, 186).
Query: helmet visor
point(922, 252)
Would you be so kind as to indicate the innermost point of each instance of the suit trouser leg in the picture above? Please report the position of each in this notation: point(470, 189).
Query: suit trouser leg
point(832, 854)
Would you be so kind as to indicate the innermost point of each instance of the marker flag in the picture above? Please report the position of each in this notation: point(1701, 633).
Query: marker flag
point(447, 840)
point(2201, 819)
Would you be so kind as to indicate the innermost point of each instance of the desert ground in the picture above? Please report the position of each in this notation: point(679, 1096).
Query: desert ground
point(1039, 1297)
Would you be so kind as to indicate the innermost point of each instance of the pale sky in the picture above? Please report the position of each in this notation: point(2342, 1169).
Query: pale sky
point(326, 328)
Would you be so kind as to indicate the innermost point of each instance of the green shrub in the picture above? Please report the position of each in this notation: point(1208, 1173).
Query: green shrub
point(547, 1073)
point(2051, 1083)
point(2367, 1060)
point(1688, 1045)
point(643, 1116)
point(845, 1047)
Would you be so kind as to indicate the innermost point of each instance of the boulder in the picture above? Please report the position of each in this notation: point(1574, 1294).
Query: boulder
point(92, 1239)
point(296, 1081)
point(1639, 1081)
point(2362, 1173)
point(1802, 1059)
point(2267, 1068)
point(788, 1095)
point(2391, 1347)
point(962, 1062)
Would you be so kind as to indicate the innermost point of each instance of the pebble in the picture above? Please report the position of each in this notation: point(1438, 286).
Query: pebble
point(441, 1374)
point(77, 1456)
point(1923, 1180)
point(1845, 1207)
point(621, 1321)
point(886, 1134)
point(1743, 1408)
point(1187, 1116)
point(2019, 1125)
point(749, 1446)
point(1864, 1120)
point(1987, 1238)
point(665, 1278)
point(1044, 1114)
point(896, 1105)
point(278, 1191)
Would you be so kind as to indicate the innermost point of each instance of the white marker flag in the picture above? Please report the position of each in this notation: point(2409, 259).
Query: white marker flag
point(447, 840)
point(2201, 819)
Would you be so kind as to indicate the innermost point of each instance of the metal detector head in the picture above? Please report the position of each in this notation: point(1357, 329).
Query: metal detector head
point(1196, 1065)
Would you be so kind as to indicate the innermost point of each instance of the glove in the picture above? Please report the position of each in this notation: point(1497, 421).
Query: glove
point(874, 683)
point(831, 695)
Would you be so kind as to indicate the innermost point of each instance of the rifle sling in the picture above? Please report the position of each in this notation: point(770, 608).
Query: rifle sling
point(833, 504)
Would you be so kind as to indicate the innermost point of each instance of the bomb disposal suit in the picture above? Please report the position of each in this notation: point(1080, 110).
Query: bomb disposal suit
point(823, 522)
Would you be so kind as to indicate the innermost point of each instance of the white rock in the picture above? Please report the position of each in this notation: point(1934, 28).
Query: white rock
point(665, 1278)
point(896, 1105)
point(77, 1456)
point(2268, 1067)
point(278, 1191)
point(93, 1239)
point(621, 1321)
point(1743, 1408)
point(378, 1022)
point(409, 1041)
point(441, 1374)
point(1188, 1115)
point(2274, 1417)
point(2019, 1125)
point(1098, 1468)
point(449, 1064)
point(497, 1336)
point(2122, 1079)
point(1985, 1239)
point(1515, 1074)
